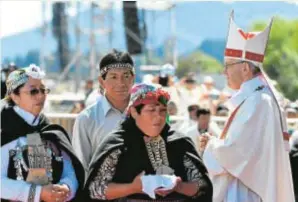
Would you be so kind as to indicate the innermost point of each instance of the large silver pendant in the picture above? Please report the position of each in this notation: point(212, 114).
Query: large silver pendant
point(164, 170)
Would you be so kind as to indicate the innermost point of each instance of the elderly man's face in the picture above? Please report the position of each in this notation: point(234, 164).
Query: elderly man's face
point(31, 102)
point(151, 119)
point(234, 73)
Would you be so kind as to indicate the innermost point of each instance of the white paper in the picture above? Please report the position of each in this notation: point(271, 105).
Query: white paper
point(151, 182)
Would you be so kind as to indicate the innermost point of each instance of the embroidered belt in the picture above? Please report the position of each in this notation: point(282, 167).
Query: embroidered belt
point(37, 160)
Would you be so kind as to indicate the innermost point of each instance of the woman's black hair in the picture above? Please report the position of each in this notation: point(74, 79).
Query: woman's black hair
point(113, 58)
point(163, 81)
point(130, 120)
point(16, 92)
point(139, 108)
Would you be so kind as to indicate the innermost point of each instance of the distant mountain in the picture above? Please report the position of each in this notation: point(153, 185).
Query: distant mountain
point(214, 48)
point(198, 24)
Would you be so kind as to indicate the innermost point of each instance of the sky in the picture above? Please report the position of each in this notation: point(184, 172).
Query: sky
point(16, 16)
point(21, 15)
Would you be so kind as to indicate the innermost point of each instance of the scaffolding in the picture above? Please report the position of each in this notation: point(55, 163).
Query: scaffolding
point(99, 13)
point(101, 25)
point(170, 8)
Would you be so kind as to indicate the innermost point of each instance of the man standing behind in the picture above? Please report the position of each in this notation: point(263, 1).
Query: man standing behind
point(249, 161)
point(95, 122)
point(204, 125)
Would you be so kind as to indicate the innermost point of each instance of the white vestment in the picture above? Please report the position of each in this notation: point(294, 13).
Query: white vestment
point(251, 164)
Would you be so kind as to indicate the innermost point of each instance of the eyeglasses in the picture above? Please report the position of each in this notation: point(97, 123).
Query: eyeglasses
point(235, 63)
point(36, 91)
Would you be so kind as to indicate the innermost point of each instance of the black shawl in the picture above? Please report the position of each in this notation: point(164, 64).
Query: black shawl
point(134, 159)
point(13, 126)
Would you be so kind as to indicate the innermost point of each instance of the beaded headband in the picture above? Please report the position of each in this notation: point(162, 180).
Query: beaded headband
point(21, 76)
point(116, 66)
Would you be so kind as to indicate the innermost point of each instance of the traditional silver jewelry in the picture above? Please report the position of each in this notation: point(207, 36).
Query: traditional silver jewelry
point(158, 156)
point(32, 193)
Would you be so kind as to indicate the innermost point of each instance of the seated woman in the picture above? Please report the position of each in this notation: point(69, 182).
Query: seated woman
point(145, 145)
point(37, 160)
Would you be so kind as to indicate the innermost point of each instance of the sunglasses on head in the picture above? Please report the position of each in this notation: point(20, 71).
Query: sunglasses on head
point(36, 91)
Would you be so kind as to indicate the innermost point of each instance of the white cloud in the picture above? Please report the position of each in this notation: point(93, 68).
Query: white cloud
point(293, 2)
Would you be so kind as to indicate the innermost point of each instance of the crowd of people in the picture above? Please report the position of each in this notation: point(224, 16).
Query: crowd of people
point(126, 147)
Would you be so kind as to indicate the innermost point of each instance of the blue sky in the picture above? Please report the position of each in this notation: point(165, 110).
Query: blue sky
point(194, 22)
point(21, 15)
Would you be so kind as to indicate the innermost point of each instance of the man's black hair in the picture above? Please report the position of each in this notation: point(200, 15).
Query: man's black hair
point(163, 81)
point(192, 107)
point(115, 57)
point(202, 112)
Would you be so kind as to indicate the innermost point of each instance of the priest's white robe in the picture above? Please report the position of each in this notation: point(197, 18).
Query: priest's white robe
point(251, 163)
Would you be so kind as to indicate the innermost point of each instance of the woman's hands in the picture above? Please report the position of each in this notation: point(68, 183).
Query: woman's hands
point(136, 185)
point(54, 193)
point(185, 188)
point(163, 193)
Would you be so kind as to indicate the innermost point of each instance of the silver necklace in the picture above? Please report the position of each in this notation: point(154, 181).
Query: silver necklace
point(158, 156)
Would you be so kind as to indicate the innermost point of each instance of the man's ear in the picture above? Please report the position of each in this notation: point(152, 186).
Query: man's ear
point(133, 112)
point(101, 82)
point(246, 68)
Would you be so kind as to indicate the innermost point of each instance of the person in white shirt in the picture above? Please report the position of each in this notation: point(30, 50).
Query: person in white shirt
point(172, 115)
point(93, 97)
point(190, 120)
point(167, 80)
point(204, 125)
point(249, 161)
point(37, 159)
point(189, 93)
point(98, 120)
point(209, 93)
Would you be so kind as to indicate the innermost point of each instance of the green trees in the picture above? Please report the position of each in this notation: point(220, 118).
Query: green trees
point(281, 59)
point(198, 62)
